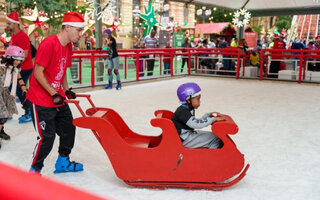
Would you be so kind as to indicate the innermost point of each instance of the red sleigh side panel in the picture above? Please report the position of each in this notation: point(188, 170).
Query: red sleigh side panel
point(141, 159)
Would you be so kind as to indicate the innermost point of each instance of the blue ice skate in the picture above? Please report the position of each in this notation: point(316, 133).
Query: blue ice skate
point(118, 87)
point(63, 164)
point(34, 171)
point(109, 86)
point(26, 117)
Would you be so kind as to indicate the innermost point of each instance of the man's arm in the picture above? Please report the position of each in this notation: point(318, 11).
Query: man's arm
point(65, 84)
point(39, 75)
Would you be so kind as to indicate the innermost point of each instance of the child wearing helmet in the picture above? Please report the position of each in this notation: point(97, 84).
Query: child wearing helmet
point(185, 122)
point(10, 75)
point(113, 60)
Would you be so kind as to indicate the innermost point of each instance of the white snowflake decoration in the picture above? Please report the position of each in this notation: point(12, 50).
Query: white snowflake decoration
point(107, 9)
point(241, 17)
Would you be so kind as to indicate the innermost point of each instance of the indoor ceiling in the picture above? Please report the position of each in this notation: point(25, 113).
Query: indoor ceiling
point(264, 7)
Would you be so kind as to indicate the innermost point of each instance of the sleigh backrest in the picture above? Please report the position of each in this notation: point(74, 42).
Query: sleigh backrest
point(122, 129)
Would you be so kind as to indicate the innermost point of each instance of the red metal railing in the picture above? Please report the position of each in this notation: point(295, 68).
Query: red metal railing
point(195, 53)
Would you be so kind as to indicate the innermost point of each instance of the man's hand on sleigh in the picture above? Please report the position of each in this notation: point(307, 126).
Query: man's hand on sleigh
point(70, 94)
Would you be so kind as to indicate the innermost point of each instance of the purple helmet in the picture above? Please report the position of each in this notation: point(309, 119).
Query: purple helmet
point(107, 31)
point(188, 90)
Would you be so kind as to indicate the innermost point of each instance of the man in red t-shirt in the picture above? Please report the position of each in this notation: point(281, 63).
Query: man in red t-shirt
point(275, 64)
point(47, 92)
point(20, 38)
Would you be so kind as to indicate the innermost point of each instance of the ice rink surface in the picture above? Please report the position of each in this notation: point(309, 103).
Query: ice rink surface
point(279, 134)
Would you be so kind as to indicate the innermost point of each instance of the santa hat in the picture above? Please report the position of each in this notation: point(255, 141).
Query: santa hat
point(13, 17)
point(73, 19)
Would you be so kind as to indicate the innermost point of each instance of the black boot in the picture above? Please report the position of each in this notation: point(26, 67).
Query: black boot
point(3, 135)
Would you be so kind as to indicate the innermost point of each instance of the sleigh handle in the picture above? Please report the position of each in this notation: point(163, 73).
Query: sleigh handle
point(76, 102)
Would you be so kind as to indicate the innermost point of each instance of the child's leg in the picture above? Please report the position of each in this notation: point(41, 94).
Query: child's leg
point(110, 67)
point(202, 139)
point(116, 67)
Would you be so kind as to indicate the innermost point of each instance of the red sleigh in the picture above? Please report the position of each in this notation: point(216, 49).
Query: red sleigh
point(162, 161)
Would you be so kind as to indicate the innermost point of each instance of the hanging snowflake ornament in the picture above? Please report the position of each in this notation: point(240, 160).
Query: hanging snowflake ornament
point(241, 17)
point(107, 8)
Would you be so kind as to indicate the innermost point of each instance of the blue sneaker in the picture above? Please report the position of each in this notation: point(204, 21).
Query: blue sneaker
point(109, 86)
point(63, 164)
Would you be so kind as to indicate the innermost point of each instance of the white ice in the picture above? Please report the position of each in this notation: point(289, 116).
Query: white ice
point(279, 136)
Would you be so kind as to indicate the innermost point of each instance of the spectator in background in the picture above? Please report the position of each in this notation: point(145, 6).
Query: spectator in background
point(243, 46)
point(138, 45)
point(275, 63)
point(151, 42)
point(296, 44)
point(255, 59)
point(317, 40)
point(207, 62)
point(166, 61)
point(259, 45)
point(186, 44)
point(311, 61)
point(20, 38)
point(234, 42)
point(226, 61)
point(88, 43)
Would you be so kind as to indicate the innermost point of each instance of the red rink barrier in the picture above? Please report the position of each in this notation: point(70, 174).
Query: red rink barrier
point(16, 184)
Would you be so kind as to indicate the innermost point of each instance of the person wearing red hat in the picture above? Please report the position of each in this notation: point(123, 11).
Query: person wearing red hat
point(20, 38)
point(47, 92)
point(275, 63)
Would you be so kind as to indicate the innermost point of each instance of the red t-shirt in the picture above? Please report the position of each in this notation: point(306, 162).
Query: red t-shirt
point(22, 40)
point(278, 44)
point(55, 59)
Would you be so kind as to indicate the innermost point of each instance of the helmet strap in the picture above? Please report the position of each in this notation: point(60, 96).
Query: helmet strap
point(189, 104)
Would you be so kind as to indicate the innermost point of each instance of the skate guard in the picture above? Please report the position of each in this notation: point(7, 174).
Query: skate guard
point(162, 161)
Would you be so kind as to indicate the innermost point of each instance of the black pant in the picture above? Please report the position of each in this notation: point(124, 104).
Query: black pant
point(274, 68)
point(184, 60)
point(150, 66)
point(47, 122)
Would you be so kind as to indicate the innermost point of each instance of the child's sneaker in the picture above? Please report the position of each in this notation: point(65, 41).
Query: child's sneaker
point(63, 164)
